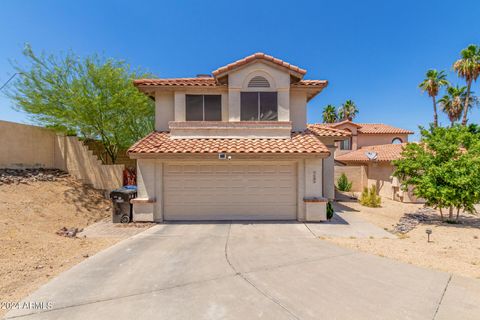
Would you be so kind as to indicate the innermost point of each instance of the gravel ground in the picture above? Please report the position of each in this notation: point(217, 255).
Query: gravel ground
point(33, 207)
point(453, 248)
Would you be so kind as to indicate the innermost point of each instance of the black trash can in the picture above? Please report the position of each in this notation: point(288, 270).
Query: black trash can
point(122, 209)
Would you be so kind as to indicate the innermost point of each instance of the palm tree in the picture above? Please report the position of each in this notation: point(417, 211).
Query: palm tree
point(432, 83)
point(329, 114)
point(452, 103)
point(348, 110)
point(468, 67)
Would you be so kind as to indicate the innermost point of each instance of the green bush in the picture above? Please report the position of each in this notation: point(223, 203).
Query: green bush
point(343, 184)
point(370, 198)
point(329, 210)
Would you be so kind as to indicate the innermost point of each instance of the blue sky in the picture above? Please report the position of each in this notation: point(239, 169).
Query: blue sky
point(373, 52)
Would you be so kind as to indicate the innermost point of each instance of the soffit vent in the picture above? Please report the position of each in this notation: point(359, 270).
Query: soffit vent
point(259, 82)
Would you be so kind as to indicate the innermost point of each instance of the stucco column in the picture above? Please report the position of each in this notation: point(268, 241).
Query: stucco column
point(313, 178)
point(180, 104)
point(329, 174)
point(145, 210)
point(233, 104)
point(283, 104)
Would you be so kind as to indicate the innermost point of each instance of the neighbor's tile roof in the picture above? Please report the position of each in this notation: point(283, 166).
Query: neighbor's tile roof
point(257, 56)
point(372, 128)
point(385, 152)
point(326, 131)
point(161, 142)
point(211, 82)
point(369, 128)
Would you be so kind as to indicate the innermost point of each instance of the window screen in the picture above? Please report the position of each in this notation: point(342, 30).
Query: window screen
point(258, 106)
point(213, 108)
point(203, 107)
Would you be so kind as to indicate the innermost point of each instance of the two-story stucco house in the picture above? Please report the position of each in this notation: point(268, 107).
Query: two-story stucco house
point(235, 146)
point(366, 156)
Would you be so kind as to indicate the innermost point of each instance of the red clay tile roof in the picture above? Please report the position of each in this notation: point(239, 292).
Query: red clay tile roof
point(211, 82)
point(256, 56)
point(372, 128)
point(310, 83)
point(178, 82)
point(161, 143)
point(385, 153)
point(326, 131)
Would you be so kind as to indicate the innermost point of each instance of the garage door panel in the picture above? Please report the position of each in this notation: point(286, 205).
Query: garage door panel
point(226, 191)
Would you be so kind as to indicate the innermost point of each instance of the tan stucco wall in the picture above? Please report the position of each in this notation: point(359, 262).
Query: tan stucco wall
point(298, 110)
point(379, 175)
point(30, 146)
point(355, 174)
point(26, 146)
point(329, 174)
point(164, 110)
point(375, 139)
point(170, 103)
point(279, 81)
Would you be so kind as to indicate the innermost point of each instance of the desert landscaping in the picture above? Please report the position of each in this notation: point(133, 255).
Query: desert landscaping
point(453, 248)
point(35, 206)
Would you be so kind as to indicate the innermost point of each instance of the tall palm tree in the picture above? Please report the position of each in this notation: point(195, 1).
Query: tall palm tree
point(348, 110)
point(329, 114)
point(452, 103)
point(432, 83)
point(468, 67)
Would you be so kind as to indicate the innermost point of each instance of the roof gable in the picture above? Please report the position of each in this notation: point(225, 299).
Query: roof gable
point(370, 128)
point(262, 57)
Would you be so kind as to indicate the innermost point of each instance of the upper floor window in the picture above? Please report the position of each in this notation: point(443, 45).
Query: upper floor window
point(258, 106)
point(203, 107)
point(346, 144)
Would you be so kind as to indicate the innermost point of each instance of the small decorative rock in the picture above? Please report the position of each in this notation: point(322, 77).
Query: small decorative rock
point(410, 220)
point(70, 233)
point(9, 176)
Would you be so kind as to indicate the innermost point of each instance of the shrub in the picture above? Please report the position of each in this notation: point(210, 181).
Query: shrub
point(343, 184)
point(329, 210)
point(370, 198)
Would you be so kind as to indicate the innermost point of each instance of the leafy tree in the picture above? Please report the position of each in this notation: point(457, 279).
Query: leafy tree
point(444, 169)
point(348, 110)
point(92, 97)
point(474, 128)
point(468, 67)
point(432, 83)
point(329, 114)
point(452, 103)
point(343, 184)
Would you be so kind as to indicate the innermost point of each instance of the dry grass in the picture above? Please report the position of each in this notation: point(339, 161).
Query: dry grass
point(454, 248)
point(30, 215)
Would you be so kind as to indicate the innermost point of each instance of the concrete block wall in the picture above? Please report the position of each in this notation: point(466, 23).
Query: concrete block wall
point(28, 146)
point(356, 174)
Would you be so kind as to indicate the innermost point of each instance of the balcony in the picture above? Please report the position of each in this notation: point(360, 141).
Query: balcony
point(233, 130)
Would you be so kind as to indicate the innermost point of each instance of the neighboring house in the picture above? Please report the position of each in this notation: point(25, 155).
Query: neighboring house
point(235, 145)
point(366, 157)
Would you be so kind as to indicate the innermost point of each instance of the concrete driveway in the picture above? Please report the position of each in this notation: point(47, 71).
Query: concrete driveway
point(248, 271)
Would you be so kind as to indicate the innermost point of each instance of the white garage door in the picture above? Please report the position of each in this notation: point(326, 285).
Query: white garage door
point(230, 191)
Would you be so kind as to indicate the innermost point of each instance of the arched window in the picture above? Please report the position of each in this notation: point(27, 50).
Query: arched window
point(258, 82)
point(397, 141)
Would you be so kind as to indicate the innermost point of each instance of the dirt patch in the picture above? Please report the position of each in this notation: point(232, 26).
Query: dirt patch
point(31, 212)
point(454, 248)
